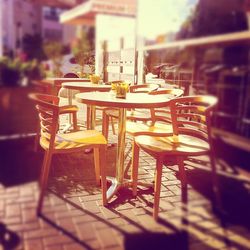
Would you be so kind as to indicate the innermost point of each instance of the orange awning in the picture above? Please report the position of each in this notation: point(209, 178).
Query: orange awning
point(85, 12)
point(58, 3)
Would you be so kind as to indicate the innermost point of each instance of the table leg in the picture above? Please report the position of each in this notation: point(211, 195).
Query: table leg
point(92, 117)
point(121, 145)
point(70, 97)
point(118, 181)
point(92, 123)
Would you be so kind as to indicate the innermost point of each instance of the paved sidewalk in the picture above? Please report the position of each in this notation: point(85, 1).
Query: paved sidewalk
point(73, 217)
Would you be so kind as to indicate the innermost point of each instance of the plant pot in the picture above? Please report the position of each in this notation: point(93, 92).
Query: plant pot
point(10, 77)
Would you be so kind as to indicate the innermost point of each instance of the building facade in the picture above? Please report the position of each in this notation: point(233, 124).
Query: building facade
point(18, 17)
point(22, 17)
point(115, 32)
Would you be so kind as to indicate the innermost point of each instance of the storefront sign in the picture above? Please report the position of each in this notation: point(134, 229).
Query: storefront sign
point(112, 7)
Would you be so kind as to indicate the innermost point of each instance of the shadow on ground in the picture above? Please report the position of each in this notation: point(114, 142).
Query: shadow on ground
point(234, 194)
point(8, 239)
point(19, 163)
point(159, 241)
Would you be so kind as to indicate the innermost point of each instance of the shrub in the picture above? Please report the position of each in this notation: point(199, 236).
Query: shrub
point(12, 71)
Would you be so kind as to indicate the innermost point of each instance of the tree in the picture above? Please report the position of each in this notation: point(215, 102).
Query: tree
point(81, 49)
point(214, 17)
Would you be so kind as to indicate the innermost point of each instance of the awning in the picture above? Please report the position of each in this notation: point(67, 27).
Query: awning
point(85, 13)
point(57, 3)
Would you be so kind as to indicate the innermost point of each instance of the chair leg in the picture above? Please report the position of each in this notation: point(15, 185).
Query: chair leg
point(135, 166)
point(216, 190)
point(44, 179)
point(37, 137)
point(74, 120)
point(157, 187)
point(183, 179)
point(43, 170)
point(112, 125)
point(182, 171)
point(214, 174)
point(97, 165)
point(88, 117)
point(102, 164)
point(105, 125)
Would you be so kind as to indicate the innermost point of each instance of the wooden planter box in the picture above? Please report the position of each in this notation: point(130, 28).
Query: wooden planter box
point(17, 112)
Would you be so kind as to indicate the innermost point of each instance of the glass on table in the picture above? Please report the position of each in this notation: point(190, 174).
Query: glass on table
point(122, 89)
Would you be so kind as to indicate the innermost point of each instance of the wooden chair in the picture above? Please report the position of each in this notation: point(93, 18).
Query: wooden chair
point(63, 92)
point(191, 118)
point(102, 110)
point(132, 115)
point(160, 122)
point(54, 143)
point(163, 114)
point(43, 86)
point(143, 88)
point(71, 75)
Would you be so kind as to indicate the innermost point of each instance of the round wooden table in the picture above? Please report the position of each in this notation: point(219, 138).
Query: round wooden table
point(84, 87)
point(53, 84)
point(133, 100)
point(72, 86)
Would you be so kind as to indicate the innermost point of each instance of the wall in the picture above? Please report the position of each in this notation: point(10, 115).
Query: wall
point(1, 28)
point(113, 28)
point(17, 11)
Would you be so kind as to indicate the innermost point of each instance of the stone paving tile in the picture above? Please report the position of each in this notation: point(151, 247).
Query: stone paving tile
point(55, 239)
point(72, 246)
point(106, 238)
point(34, 244)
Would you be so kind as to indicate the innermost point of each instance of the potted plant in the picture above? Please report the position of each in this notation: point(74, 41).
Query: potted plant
point(10, 72)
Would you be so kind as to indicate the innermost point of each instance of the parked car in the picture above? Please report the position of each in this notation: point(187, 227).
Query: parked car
point(166, 71)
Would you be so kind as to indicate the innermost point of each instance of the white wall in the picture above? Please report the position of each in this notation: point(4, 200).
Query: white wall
point(8, 24)
point(1, 28)
point(113, 28)
point(69, 33)
point(14, 11)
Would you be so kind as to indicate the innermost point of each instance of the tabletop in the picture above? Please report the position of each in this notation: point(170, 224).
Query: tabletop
point(55, 81)
point(66, 79)
point(86, 86)
point(133, 100)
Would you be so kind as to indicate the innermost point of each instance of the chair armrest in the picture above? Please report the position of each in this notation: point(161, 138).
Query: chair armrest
point(68, 109)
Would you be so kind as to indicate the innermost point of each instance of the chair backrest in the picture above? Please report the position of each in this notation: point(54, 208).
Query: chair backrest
point(118, 81)
point(113, 82)
point(173, 92)
point(192, 115)
point(143, 88)
point(48, 113)
point(163, 114)
point(185, 86)
point(71, 75)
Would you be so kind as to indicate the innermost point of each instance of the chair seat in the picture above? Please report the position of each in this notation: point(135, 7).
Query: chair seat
point(106, 109)
point(186, 144)
point(79, 139)
point(158, 129)
point(68, 109)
